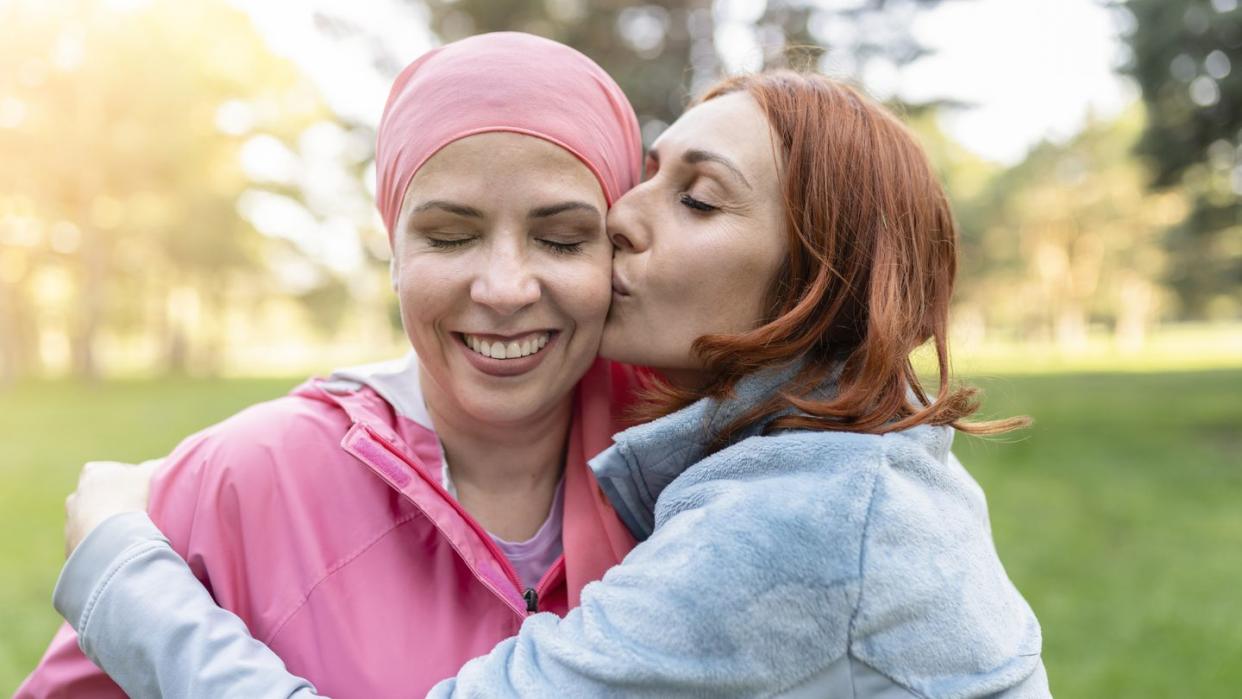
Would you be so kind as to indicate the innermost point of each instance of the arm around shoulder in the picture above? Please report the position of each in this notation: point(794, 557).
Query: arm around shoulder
point(143, 617)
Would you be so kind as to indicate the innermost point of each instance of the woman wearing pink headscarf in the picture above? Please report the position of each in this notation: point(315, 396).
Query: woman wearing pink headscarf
point(381, 527)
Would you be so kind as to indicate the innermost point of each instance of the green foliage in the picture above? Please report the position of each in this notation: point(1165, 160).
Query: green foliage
point(1069, 237)
point(1187, 58)
point(1173, 42)
point(1115, 515)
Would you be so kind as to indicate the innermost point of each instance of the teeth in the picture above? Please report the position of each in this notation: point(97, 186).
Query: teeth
point(523, 347)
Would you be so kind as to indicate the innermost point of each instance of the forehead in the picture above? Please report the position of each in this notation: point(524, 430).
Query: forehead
point(504, 165)
point(732, 125)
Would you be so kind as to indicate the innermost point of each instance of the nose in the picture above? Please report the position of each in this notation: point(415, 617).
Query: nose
point(625, 224)
point(506, 284)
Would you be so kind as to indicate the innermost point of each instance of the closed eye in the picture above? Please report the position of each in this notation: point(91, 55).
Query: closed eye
point(557, 248)
point(448, 243)
point(696, 204)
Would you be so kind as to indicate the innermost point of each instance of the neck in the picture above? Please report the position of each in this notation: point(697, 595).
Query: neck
point(686, 379)
point(505, 474)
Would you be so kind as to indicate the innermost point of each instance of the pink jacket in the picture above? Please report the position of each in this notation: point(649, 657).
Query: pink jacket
point(319, 519)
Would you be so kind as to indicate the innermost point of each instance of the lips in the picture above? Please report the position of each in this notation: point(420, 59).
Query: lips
point(502, 356)
point(619, 285)
point(507, 348)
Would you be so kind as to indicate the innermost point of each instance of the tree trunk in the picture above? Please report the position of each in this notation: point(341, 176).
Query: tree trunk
point(90, 307)
point(1134, 314)
point(213, 339)
point(177, 305)
point(1071, 329)
point(10, 335)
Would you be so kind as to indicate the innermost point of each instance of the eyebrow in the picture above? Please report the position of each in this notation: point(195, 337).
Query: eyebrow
point(471, 212)
point(451, 207)
point(554, 209)
point(692, 157)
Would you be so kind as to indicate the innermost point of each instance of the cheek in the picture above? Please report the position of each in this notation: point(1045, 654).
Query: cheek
point(425, 289)
point(583, 289)
point(753, 268)
point(722, 285)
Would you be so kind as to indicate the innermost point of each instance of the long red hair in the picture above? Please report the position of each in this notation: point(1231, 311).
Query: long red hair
point(872, 259)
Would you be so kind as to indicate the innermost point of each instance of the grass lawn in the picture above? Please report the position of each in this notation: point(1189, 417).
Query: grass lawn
point(1119, 515)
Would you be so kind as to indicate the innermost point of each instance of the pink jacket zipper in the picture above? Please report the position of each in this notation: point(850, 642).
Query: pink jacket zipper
point(522, 593)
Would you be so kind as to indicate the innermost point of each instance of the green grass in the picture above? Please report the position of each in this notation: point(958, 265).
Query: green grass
point(47, 430)
point(1119, 515)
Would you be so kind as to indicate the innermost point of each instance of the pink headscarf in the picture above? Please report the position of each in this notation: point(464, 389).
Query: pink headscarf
point(506, 81)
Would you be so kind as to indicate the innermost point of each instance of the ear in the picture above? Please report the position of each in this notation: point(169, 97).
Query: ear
point(392, 270)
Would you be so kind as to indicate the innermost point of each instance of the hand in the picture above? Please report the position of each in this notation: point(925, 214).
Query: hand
point(105, 488)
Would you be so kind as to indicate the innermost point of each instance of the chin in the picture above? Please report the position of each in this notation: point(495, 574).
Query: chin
point(498, 407)
point(487, 413)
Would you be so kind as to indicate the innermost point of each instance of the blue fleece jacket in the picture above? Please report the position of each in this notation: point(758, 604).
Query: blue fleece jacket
point(798, 564)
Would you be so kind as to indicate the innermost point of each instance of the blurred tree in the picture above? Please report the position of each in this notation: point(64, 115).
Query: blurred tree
point(122, 127)
point(19, 354)
point(967, 178)
point(1069, 236)
point(1187, 58)
point(666, 51)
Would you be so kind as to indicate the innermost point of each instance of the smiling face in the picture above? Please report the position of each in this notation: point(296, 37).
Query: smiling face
point(700, 241)
point(501, 266)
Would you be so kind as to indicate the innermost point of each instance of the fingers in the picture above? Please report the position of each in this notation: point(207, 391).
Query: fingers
point(151, 466)
point(105, 488)
point(102, 470)
point(92, 469)
point(70, 539)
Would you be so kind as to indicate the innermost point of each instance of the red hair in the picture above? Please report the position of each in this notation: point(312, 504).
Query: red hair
point(867, 280)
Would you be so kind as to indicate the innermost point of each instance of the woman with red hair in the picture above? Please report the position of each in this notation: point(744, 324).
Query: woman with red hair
point(804, 528)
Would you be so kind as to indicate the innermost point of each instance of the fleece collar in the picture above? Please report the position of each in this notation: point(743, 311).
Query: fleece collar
point(645, 459)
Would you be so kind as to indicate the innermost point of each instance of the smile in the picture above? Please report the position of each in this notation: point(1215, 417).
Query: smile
point(496, 347)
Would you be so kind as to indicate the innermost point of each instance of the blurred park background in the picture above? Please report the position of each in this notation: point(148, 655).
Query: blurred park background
point(187, 227)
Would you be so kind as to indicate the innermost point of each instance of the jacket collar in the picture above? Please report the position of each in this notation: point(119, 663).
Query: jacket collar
point(644, 460)
point(396, 380)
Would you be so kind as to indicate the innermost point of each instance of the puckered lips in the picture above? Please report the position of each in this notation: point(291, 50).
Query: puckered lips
point(506, 355)
point(620, 288)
